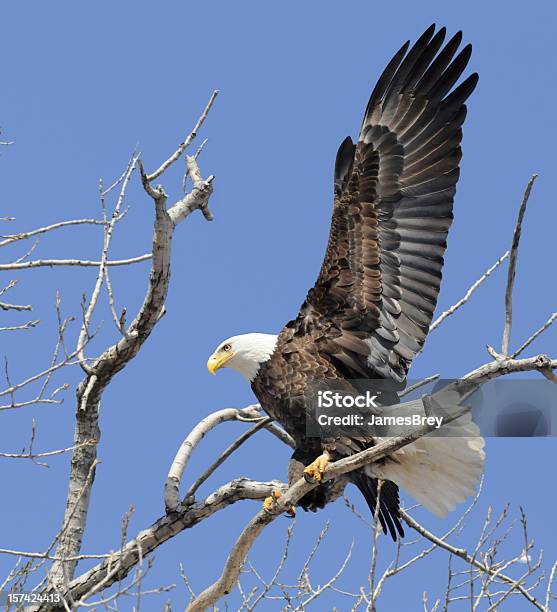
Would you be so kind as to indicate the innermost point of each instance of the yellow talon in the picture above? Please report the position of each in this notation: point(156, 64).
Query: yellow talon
point(315, 470)
point(269, 503)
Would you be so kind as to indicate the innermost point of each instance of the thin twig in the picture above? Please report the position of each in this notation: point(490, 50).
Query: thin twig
point(108, 231)
point(531, 339)
point(512, 268)
point(13, 388)
point(28, 325)
point(417, 385)
point(31, 455)
point(462, 553)
point(549, 585)
point(44, 555)
point(174, 478)
point(19, 307)
point(104, 368)
point(225, 454)
point(9, 239)
point(49, 263)
point(468, 294)
point(183, 146)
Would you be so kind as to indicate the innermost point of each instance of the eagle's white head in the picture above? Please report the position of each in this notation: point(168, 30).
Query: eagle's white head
point(244, 353)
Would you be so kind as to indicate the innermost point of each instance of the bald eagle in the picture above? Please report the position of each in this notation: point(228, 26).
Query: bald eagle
point(369, 312)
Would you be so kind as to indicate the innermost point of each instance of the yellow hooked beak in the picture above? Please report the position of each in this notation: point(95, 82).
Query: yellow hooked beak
point(217, 361)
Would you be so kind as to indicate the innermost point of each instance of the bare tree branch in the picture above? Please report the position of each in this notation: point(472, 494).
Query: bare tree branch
point(103, 369)
point(166, 527)
point(420, 383)
point(248, 490)
point(549, 586)
point(183, 146)
point(512, 268)
point(49, 263)
point(108, 231)
point(263, 422)
point(198, 198)
point(44, 555)
point(538, 332)
point(252, 530)
point(11, 238)
point(13, 388)
point(463, 554)
point(5, 306)
point(468, 294)
point(173, 480)
point(28, 325)
point(398, 567)
point(31, 455)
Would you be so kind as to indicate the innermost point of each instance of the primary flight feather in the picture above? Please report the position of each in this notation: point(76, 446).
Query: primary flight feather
point(369, 312)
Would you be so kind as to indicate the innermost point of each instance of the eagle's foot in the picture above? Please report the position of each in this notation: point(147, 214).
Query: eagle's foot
point(269, 503)
point(315, 470)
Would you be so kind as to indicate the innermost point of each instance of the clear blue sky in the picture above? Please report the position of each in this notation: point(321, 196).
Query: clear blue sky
point(83, 84)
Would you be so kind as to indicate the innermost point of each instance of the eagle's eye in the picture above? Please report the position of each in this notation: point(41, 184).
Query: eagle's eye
point(226, 347)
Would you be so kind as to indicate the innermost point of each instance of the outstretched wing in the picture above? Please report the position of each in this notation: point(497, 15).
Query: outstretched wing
point(373, 302)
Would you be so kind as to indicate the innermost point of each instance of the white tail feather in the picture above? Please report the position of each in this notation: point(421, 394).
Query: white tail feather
point(439, 470)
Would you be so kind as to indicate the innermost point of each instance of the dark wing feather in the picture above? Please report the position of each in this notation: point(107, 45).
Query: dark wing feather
point(371, 307)
point(388, 511)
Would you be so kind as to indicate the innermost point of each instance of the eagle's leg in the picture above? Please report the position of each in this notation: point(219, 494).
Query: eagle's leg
point(269, 503)
point(315, 470)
